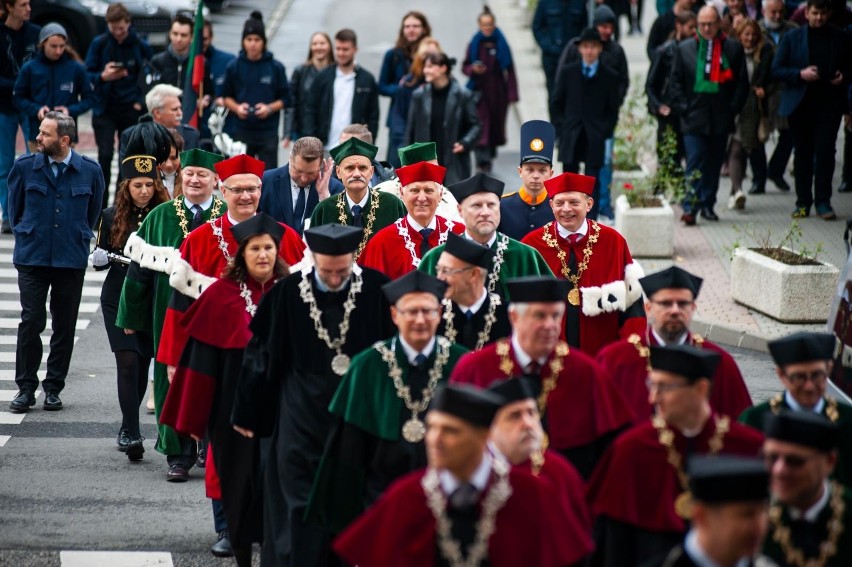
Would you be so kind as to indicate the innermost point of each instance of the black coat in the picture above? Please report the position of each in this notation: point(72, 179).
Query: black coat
point(300, 93)
point(612, 56)
point(461, 124)
point(316, 120)
point(659, 76)
point(582, 105)
point(702, 113)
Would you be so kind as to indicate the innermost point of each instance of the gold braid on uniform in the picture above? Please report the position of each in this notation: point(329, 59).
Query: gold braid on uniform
point(645, 352)
point(371, 217)
point(831, 411)
point(181, 214)
point(574, 294)
point(827, 549)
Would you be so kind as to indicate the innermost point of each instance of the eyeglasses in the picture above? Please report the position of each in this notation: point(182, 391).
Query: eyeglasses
point(241, 190)
point(442, 271)
point(799, 378)
point(791, 461)
point(668, 304)
point(662, 387)
point(427, 312)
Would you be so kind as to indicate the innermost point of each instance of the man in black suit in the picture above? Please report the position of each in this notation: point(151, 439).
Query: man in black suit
point(327, 113)
point(814, 65)
point(584, 108)
point(290, 193)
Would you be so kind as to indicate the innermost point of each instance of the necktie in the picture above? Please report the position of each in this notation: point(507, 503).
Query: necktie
point(574, 238)
point(588, 72)
point(465, 496)
point(419, 360)
point(60, 169)
point(425, 246)
point(532, 369)
point(299, 209)
point(468, 314)
point(356, 214)
point(196, 217)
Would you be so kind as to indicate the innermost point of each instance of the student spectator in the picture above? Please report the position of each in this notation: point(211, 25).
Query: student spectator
point(169, 66)
point(320, 56)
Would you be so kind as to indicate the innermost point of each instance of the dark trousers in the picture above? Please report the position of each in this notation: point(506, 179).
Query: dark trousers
point(593, 171)
point(704, 154)
point(188, 453)
point(815, 134)
point(549, 63)
point(105, 126)
point(266, 150)
point(781, 156)
point(847, 156)
point(66, 288)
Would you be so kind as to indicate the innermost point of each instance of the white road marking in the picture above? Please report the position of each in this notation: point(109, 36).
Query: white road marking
point(115, 559)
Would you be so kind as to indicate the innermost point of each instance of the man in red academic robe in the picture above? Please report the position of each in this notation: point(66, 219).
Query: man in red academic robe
point(580, 406)
point(465, 496)
point(638, 492)
point(517, 435)
point(398, 248)
point(604, 301)
point(669, 306)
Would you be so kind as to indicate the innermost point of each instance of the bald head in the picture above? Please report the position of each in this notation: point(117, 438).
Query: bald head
point(708, 22)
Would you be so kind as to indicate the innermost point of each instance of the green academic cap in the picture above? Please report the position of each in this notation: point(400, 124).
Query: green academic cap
point(418, 151)
point(200, 158)
point(353, 147)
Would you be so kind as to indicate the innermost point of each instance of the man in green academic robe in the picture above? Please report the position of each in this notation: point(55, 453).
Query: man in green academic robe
point(380, 405)
point(479, 206)
point(146, 292)
point(803, 364)
point(358, 205)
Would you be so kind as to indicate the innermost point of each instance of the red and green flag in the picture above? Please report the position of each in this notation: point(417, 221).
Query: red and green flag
point(193, 88)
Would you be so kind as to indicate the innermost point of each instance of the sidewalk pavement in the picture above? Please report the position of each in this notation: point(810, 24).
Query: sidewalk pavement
point(703, 249)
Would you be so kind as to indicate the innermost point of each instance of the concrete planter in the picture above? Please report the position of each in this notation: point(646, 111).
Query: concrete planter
point(649, 231)
point(790, 294)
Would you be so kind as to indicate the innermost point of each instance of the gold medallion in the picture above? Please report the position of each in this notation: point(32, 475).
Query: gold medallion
point(340, 364)
point(683, 505)
point(413, 430)
point(536, 145)
point(574, 297)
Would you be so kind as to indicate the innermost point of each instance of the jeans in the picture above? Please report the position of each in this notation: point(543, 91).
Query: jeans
point(704, 154)
point(66, 288)
point(220, 523)
point(605, 180)
point(8, 136)
point(395, 141)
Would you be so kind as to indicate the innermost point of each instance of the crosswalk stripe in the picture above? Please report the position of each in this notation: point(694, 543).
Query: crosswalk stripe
point(9, 418)
point(10, 357)
point(115, 559)
point(3, 439)
point(13, 339)
point(91, 275)
point(88, 291)
point(15, 306)
point(7, 243)
point(12, 323)
point(8, 395)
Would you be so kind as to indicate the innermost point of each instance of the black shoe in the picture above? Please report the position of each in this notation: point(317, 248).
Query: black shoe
point(135, 450)
point(222, 547)
point(709, 214)
point(52, 402)
point(177, 473)
point(757, 189)
point(5, 227)
point(201, 458)
point(780, 182)
point(845, 187)
point(22, 402)
point(122, 440)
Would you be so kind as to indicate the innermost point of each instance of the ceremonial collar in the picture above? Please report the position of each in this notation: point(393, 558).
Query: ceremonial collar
point(433, 224)
point(796, 406)
point(477, 305)
point(661, 342)
point(522, 357)
point(529, 199)
point(565, 233)
point(204, 205)
point(490, 242)
point(479, 479)
point(812, 513)
point(411, 353)
point(693, 549)
point(362, 202)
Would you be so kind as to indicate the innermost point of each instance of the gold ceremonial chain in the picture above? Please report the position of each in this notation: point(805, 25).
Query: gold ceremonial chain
point(497, 264)
point(831, 410)
point(414, 429)
point(645, 351)
point(340, 362)
point(182, 220)
point(371, 217)
point(482, 337)
point(550, 240)
point(547, 384)
point(683, 502)
point(827, 549)
point(496, 498)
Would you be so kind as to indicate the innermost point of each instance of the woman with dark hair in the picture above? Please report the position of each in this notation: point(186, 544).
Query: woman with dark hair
point(444, 112)
point(139, 191)
point(395, 66)
point(320, 56)
point(170, 169)
point(489, 65)
point(204, 385)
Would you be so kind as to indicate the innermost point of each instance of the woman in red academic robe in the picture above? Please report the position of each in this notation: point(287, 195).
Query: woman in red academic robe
point(202, 390)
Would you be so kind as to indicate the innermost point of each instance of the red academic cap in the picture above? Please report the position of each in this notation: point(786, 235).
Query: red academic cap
point(239, 164)
point(421, 171)
point(569, 182)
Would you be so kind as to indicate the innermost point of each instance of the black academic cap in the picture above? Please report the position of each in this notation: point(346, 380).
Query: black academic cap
point(537, 289)
point(802, 347)
point(670, 278)
point(479, 183)
point(147, 138)
point(537, 140)
point(333, 239)
point(515, 389)
point(802, 428)
point(414, 281)
point(719, 479)
point(685, 360)
point(468, 251)
point(261, 223)
point(469, 403)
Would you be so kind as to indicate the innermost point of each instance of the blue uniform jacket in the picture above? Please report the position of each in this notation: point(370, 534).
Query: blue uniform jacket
point(135, 53)
point(253, 82)
point(53, 221)
point(517, 218)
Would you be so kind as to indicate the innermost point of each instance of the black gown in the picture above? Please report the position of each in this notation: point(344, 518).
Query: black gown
point(467, 330)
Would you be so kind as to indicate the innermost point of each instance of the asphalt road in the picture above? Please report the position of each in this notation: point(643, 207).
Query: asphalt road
point(63, 486)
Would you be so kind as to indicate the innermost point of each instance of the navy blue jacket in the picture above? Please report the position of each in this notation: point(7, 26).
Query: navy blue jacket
point(135, 53)
point(517, 218)
point(253, 82)
point(276, 197)
point(216, 62)
point(792, 56)
point(395, 66)
point(23, 45)
point(556, 22)
point(53, 221)
point(43, 82)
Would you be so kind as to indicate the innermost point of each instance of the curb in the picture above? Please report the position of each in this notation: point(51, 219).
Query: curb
point(729, 335)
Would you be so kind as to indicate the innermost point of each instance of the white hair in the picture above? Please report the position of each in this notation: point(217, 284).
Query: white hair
point(156, 97)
